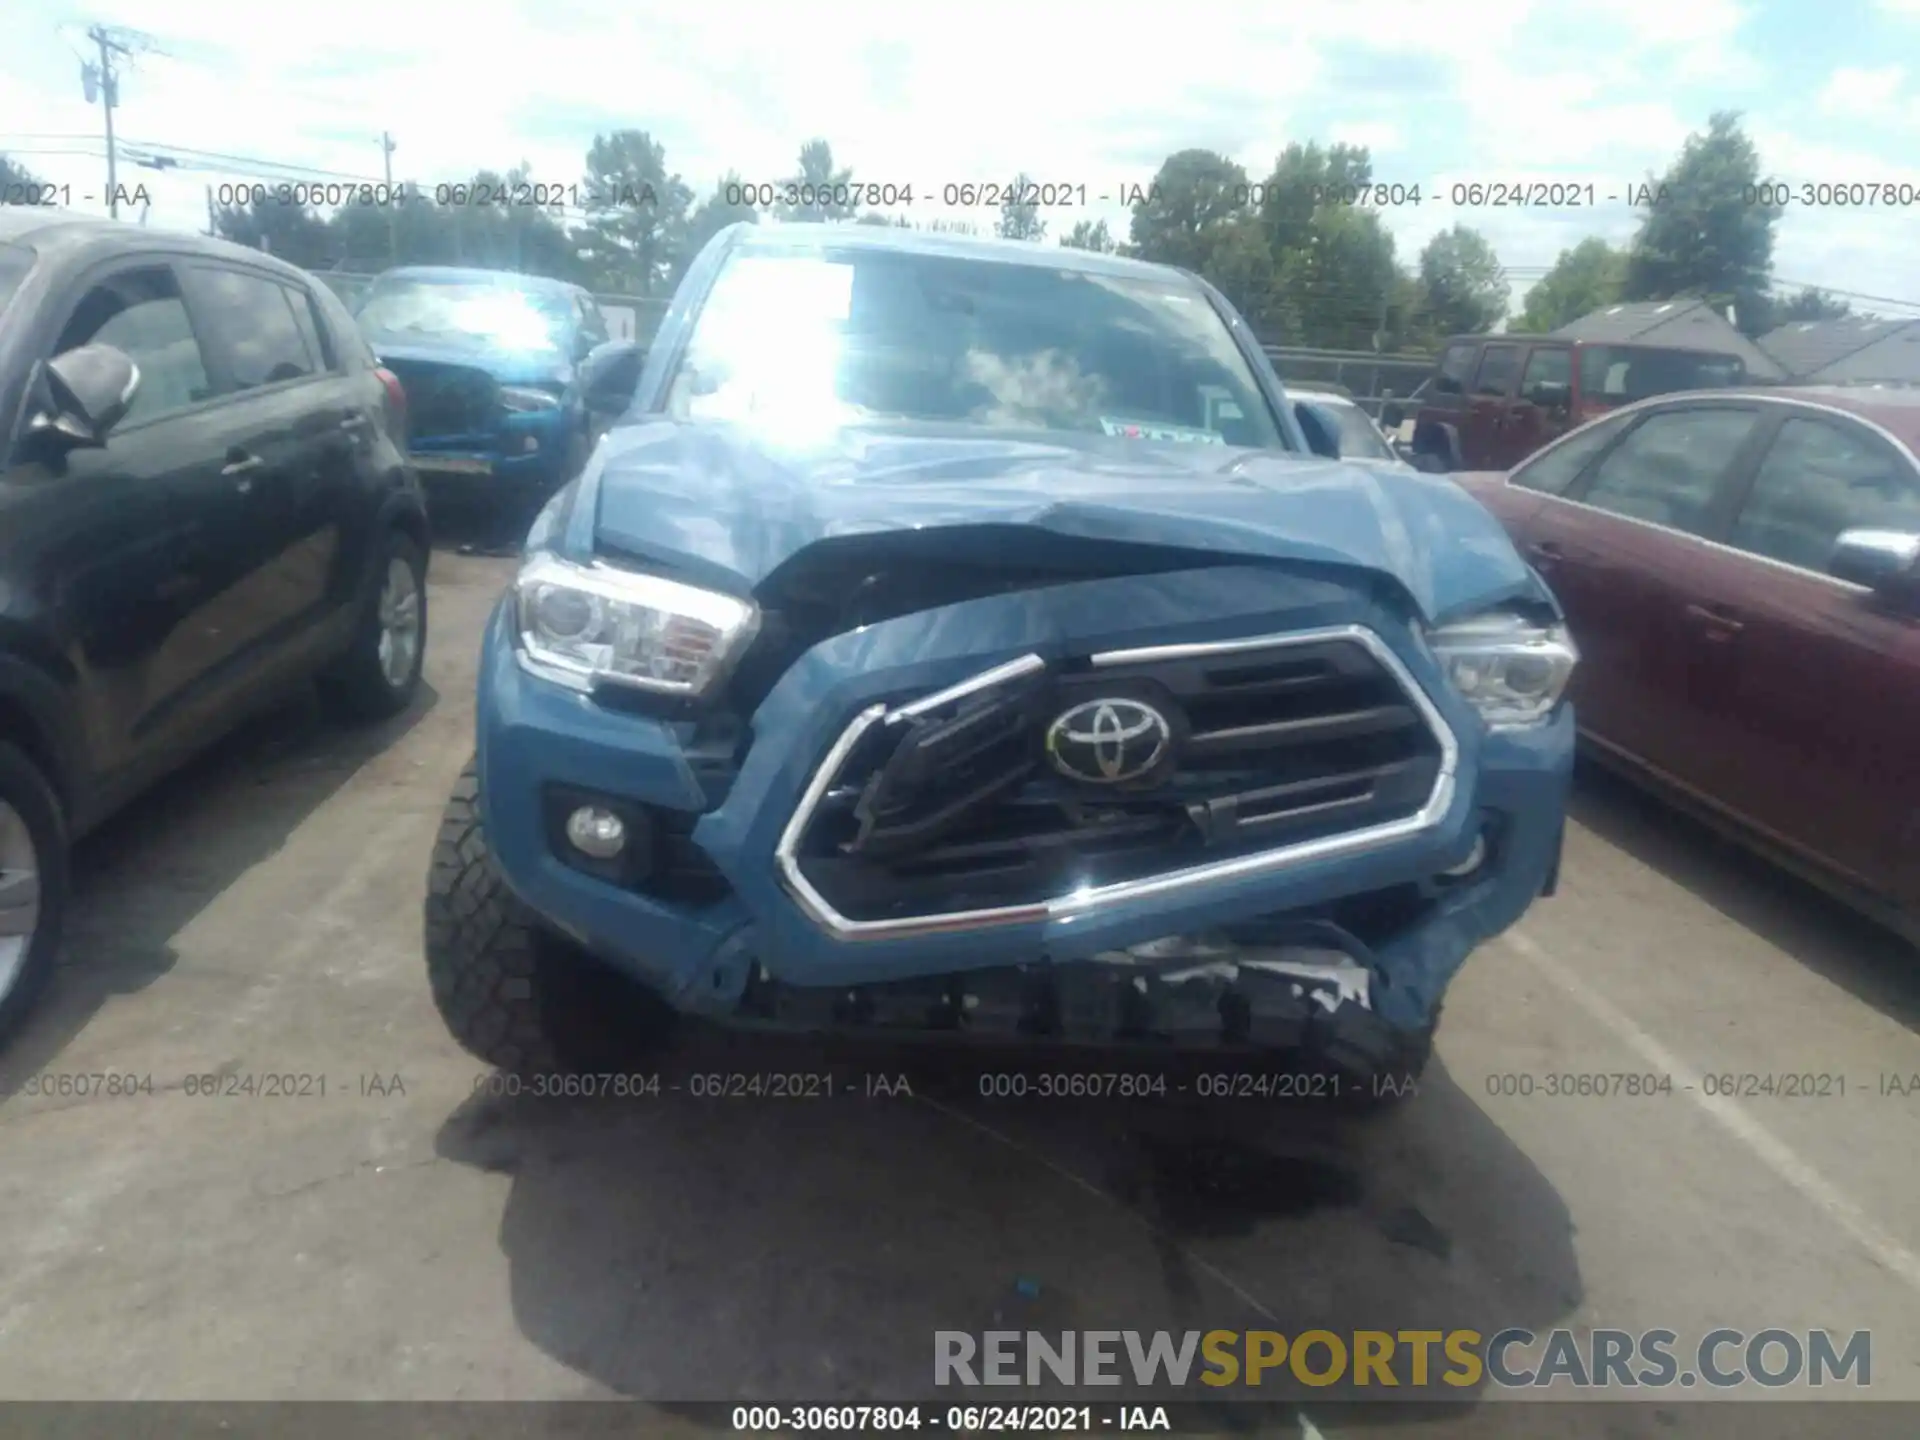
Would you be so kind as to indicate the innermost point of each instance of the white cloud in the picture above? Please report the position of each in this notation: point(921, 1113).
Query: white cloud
point(1868, 93)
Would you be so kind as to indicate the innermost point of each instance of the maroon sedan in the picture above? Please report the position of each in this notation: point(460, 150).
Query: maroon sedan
point(1739, 570)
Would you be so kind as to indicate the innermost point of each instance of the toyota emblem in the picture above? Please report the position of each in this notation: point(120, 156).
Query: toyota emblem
point(1108, 742)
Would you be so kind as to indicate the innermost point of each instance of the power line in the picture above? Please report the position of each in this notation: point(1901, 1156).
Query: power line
point(1848, 294)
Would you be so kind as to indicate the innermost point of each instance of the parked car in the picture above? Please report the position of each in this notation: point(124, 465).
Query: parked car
point(982, 651)
point(203, 503)
point(488, 359)
point(1738, 570)
point(1361, 439)
point(1495, 399)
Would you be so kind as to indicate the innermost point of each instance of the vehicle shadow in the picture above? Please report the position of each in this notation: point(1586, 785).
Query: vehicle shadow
point(462, 519)
point(142, 876)
point(1795, 916)
point(680, 1250)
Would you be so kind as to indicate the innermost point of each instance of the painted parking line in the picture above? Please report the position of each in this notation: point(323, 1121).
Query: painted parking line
point(1732, 1117)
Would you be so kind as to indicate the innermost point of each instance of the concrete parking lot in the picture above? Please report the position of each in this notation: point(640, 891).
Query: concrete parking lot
point(402, 1236)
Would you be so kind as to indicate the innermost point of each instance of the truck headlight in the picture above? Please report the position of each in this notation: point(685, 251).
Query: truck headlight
point(587, 624)
point(528, 397)
point(1511, 669)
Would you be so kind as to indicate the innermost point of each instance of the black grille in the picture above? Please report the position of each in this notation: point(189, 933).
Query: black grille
point(445, 400)
point(682, 872)
point(961, 809)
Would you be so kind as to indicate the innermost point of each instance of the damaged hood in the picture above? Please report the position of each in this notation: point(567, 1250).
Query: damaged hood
point(721, 507)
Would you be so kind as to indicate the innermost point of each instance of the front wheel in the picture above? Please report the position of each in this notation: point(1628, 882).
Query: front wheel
point(513, 993)
point(33, 884)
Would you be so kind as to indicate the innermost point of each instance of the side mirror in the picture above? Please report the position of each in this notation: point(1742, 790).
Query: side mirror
point(1882, 560)
point(610, 374)
point(1322, 432)
point(89, 390)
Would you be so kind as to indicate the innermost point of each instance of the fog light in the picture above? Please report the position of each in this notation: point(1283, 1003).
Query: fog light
point(1475, 858)
point(596, 833)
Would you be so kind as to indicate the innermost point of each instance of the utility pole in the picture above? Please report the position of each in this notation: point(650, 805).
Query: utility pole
point(103, 79)
point(387, 147)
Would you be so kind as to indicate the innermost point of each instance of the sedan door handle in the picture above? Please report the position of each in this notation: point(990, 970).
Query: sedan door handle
point(1718, 624)
point(354, 422)
point(241, 464)
point(1546, 550)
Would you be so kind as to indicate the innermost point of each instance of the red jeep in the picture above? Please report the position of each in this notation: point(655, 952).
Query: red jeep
point(1495, 399)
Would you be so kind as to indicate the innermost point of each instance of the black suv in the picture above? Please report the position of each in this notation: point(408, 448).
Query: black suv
point(204, 503)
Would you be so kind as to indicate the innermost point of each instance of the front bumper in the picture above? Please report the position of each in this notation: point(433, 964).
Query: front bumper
point(721, 952)
point(523, 449)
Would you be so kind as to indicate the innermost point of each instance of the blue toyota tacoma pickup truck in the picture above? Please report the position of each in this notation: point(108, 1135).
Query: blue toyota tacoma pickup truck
point(965, 638)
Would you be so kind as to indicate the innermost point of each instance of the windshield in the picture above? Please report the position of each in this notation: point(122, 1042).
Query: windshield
point(1620, 374)
point(15, 262)
point(856, 335)
point(480, 311)
point(1359, 440)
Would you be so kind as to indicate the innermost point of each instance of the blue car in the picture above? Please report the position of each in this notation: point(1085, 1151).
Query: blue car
point(965, 638)
point(488, 360)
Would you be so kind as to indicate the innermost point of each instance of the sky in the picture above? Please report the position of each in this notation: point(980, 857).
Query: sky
point(1072, 93)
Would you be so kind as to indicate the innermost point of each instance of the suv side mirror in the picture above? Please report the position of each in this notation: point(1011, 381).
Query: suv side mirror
point(1882, 560)
point(1323, 434)
point(89, 390)
point(610, 374)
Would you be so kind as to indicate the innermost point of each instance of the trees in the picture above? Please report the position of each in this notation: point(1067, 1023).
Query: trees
point(1195, 214)
point(822, 188)
point(1306, 179)
point(1090, 235)
point(726, 206)
point(1179, 216)
point(295, 233)
point(1810, 304)
point(1335, 282)
point(636, 212)
point(1581, 281)
point(1465, 288)
point(1335, 289)
point(16, 177)
point(1702, 232)
point(1020, 220)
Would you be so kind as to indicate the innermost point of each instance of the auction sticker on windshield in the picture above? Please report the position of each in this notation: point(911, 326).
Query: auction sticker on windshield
point(1121, 429)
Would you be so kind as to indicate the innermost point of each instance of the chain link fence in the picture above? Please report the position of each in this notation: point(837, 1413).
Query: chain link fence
point(1372, 380)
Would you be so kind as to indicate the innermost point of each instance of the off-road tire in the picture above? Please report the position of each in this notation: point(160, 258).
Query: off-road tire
point(356, 688)
point(24, 788)
point(513, 993)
